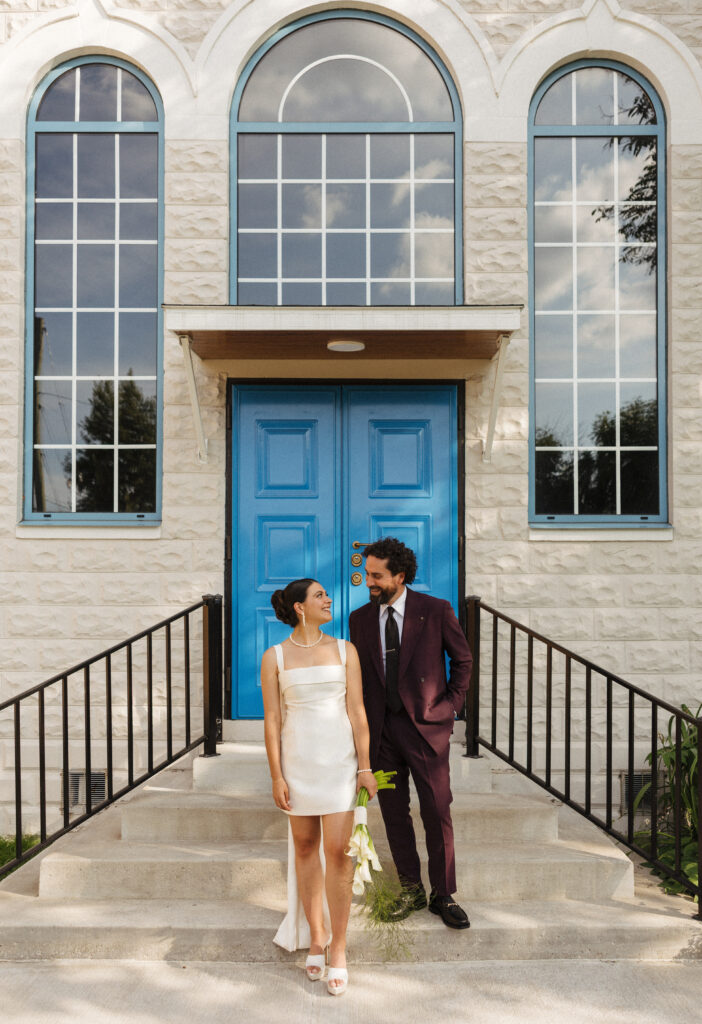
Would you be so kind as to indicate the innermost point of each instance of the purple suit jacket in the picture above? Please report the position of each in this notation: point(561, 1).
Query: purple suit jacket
point(430, 630)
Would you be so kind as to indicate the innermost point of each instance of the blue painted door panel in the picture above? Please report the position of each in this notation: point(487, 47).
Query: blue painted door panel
point(400, 472)
point(285, 503)
point(317, 467)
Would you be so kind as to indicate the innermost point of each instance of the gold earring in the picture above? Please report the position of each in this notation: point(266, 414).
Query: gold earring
point(304, 621)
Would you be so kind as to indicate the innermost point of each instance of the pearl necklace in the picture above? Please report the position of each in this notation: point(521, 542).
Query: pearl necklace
point(298, 644)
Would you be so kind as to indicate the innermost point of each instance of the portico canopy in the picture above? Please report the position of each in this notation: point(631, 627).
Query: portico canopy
point(302, 332)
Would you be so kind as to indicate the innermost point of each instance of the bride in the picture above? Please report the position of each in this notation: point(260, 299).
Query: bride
point(317, 744)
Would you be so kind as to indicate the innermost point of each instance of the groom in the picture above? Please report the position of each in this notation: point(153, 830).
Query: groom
point(402, 637)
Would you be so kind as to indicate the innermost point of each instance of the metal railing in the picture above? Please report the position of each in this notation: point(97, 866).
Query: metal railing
point(551, 713)
point(129, 708)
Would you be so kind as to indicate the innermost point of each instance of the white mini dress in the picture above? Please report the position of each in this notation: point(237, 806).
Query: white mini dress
point(318, 762)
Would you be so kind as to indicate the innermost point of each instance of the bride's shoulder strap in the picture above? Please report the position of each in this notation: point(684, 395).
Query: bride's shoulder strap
point(342, 651)
point(279, 657)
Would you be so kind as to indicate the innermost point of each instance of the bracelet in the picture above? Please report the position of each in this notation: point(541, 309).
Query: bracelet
point(362, 770)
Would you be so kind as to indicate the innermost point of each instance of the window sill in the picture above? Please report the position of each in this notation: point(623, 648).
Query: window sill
point(87, 531)
point(633, 533)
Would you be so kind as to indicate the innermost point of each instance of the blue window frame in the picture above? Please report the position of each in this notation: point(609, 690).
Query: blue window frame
point(93, 423)
point(346, 168)
point(597, 299)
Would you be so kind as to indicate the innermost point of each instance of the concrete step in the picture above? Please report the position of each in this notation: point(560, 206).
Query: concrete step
point(477, 817)
point(225, 930)
point(256, 872)
point(241, 769)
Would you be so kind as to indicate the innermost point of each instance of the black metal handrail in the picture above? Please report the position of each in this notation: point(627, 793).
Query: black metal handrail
point(576, 719)
point(82, 713)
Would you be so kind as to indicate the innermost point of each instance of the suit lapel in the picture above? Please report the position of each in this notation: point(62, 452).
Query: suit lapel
point(411, 631)
point(376, 651)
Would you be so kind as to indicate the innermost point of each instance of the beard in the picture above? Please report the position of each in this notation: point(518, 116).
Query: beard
point(383, 596)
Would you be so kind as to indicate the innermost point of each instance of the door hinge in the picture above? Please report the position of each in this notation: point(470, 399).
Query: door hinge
point(228, 548)
point(461, 548)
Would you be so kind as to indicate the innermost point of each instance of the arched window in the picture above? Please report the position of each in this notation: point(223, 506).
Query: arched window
point(93, 295)
point(346, 169)
point(597, 209)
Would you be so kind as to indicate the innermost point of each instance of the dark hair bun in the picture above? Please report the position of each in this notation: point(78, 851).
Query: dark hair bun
point(283, 601)
point(281, 610)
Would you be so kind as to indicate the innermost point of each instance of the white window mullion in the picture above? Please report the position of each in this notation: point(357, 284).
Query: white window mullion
point(279, 220)
point(574, 265)
point(115, 436)
point(324, 220)
point(74, 314)
point(368, 222)
point(412, 233)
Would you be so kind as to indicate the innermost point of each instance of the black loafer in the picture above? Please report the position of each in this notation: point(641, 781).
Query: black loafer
point(449, 911)
point(412, 897)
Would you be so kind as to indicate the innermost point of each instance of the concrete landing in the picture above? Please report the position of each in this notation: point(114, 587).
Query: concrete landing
point(552, 992)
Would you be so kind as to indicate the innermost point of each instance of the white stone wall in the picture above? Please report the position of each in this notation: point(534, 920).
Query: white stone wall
point(630, 602)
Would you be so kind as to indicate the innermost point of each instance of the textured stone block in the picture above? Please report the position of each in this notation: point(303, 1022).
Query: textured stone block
point(11, 188)
point(196, 255)
point(210, 189)
point(687, 390)
point(494, 223)
point(536, 590)
point(688, 523)
point(9, 421)
point(183, 522)
point(11, 285)
point(493, 523)
point(495, 289)
point(507, 457)
point(10, 6)
point(687, 457)
point(67, 588)
point(197, 156)
point(10, 388)
point(495, 491)
point(564, 625)
point(205, 487)
point(686, 194)
point(485, 557)
point(512, 423)
point(208, 289)
point(36, 621)
point(504, 29)
point(496, 190)
point(190, 28)
point(626, 623)
point(680, 624)
point(687, 425)
point(625, 558)
point(496, 257)
point(663, 591)
point(197, 221)
point(495, 158)
point(553, 558)
point(658, 6)
point(685, 227)
point(687, 490)
point(11, 222)
point(685, 257)
point(687, 291)
point(686, 27)
point(658, 655)
point(685, 162)
point(687, 354)
point(11, 155)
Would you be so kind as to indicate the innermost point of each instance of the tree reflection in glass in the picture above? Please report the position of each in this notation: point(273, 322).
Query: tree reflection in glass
point(598, 334)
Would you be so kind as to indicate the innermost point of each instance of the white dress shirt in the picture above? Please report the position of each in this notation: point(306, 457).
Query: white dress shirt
point(398, 608)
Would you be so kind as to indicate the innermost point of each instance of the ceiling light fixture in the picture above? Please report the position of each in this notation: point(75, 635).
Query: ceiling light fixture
point(345, 345)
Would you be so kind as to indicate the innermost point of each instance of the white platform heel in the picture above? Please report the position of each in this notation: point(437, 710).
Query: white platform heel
point(315, 964)
point(339, 974)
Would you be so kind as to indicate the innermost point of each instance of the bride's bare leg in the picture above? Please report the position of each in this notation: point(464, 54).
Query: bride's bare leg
point(339, 875)
point(306, 834)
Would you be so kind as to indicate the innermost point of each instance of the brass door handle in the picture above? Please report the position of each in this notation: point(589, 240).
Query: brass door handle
point(361, 543)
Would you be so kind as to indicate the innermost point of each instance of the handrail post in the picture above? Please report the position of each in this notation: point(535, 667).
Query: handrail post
point(211, 671)
point(698, 915)
point(473, 700)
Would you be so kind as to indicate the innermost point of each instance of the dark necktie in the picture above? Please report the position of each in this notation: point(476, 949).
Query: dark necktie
point(392, 661)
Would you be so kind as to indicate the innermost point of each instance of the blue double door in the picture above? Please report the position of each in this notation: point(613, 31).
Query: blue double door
point(318, 471)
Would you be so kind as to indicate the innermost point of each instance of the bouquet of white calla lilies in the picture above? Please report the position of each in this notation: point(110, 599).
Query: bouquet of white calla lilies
point(361, 845)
